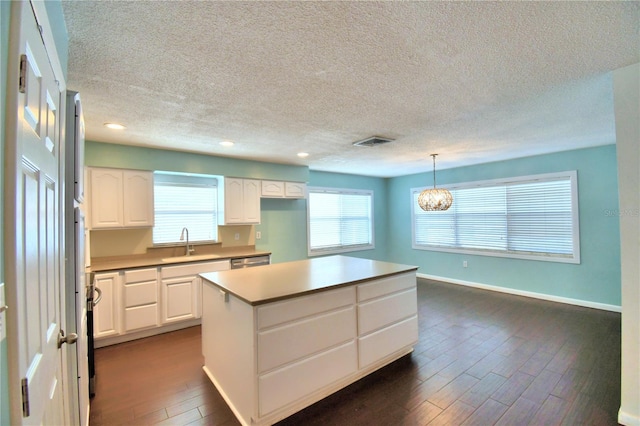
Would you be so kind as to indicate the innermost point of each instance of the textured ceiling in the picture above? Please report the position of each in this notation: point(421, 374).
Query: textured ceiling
point(473, 81)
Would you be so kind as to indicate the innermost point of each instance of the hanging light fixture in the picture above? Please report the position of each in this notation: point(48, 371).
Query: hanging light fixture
point(435, 199)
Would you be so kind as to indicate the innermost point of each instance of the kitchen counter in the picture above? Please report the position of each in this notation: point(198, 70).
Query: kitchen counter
point(281, 337)
point(103, 264)
point(280, 281)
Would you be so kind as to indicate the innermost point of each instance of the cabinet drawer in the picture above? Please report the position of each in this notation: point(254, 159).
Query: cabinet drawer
point(138, 275)
point(384, 311)
point(295, 381)
point(387, 285)
point(140, 294)
point(289, 310)
point(382, 343)
point(282, 345)
point(141, 317)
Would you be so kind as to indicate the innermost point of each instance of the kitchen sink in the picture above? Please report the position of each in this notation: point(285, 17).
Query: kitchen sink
point(191, 258)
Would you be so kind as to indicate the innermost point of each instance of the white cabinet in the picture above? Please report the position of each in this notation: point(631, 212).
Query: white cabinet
point(106, 314)
point(140, 299)
point(295, 190)
point(387, 317)
point(121, 198)
point(143, 302)
point(323, 329)
point(182, 290)
point(271, 360)
point(272, 189)
point(279, 189)
point(241, 201)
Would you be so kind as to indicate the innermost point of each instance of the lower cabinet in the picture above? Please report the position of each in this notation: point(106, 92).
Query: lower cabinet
point(143, 300)
point(106, 314)
point(140, 299)
point(274, 359)
point(182, 289)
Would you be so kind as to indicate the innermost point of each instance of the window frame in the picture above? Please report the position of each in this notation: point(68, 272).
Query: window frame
point(194, 180)
point(574, 258)
point(340, 249)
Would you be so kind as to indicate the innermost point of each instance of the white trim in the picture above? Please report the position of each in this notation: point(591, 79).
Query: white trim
point(542, 296)
point(343, 249)
point(627, 419)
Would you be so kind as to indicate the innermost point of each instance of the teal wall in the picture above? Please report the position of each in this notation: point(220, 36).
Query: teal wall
point(99, 154)
point(380, 207)
point(595, 279)
point(283, 222)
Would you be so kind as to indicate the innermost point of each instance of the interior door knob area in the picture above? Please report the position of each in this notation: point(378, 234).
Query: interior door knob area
point(70, 339)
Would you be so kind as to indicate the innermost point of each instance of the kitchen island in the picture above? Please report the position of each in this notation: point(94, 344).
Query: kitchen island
point(280, 337)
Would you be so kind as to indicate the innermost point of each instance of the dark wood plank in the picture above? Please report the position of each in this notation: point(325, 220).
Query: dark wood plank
point(483, 358)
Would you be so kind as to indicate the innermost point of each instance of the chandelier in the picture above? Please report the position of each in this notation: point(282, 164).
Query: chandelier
point(435, 199)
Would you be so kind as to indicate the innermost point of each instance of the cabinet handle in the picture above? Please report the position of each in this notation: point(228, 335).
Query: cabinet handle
point(99, 298)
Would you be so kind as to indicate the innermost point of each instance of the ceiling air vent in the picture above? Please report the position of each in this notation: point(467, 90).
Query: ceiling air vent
point(373, 141)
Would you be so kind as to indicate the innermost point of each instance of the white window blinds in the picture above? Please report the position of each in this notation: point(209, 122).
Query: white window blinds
point(529, 217)
point(339, 220)
point(189, 201)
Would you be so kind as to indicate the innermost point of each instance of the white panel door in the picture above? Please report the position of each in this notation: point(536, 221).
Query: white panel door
point(33, 257)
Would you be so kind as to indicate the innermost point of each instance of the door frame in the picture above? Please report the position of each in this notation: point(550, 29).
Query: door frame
point(11, 127)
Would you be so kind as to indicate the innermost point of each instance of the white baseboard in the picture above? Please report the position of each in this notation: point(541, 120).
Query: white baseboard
point(542, 296)
point(627, 419)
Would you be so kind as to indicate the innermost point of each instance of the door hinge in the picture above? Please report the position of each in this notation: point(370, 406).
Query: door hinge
point(25, 397)
point(22, 82)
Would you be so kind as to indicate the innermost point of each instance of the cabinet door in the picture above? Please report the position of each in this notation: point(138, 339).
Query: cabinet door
point(251, 201)
point(295, 190)
point(233, 199)
point(138, 198)
point(106, 314)
point(242, 201)
point(179, 299)
point(272, 189)
point(106, 198)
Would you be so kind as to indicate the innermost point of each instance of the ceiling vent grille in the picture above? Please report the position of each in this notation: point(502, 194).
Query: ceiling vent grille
point(373, 141)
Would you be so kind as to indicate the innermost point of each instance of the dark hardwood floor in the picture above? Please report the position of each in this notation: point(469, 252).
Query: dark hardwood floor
point(483, 358)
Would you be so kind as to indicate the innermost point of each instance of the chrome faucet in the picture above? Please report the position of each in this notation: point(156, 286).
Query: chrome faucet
point(187, 249)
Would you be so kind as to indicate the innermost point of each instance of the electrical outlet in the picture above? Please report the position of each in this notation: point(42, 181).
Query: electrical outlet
point(258, 235)
point(237, 236)
point(464, 264)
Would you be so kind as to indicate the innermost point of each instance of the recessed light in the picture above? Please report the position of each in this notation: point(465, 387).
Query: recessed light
point(114, 126)
point(303, 154)
point(226, 143)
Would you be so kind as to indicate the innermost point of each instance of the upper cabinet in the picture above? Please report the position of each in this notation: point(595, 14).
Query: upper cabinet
point(121, 198)
point(279, 189)
point(241, 201)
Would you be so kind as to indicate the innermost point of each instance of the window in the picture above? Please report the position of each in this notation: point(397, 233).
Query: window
point(533, 217)
point(185, 200)
point(340, 220)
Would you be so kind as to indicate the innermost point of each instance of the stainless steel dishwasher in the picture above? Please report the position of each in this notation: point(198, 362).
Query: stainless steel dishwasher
point(249, 262)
